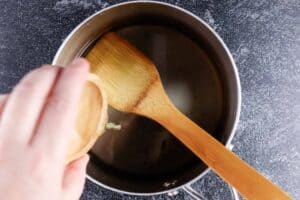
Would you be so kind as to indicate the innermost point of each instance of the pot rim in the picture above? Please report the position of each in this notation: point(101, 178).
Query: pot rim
point(236, 76)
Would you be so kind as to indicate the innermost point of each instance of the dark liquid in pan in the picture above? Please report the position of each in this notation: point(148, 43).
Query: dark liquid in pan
point(143, 152)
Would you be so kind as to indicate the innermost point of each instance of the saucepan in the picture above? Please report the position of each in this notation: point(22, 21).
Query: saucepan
point(135, 155)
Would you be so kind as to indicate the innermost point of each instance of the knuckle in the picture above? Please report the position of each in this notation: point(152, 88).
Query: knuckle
point(26, 84)
point(29, 82)
point(32, 79)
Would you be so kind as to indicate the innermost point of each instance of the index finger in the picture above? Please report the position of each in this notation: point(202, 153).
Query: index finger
point(58, 117)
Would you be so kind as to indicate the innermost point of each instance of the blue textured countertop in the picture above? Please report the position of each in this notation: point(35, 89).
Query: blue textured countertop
point(264, 38)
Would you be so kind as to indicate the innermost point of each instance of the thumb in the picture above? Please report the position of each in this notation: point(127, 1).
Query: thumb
point(74, 178)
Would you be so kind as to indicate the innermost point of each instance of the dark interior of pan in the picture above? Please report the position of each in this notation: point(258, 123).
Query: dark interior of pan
point(143, 157)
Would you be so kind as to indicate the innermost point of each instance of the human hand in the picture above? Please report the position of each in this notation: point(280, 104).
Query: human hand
point(36, 122)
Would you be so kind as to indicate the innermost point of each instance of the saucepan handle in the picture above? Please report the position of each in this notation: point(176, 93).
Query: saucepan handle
point(198, 196)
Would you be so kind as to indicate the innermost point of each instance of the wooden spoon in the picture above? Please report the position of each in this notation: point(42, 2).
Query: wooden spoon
point(91, 119)
point(133, 85)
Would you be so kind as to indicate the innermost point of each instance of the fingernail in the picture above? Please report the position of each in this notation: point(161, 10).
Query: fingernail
point(79, 62)
point(86, 158)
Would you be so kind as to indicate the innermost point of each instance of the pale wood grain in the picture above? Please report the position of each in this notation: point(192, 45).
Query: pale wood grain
point(91, 119)
point(133, 85)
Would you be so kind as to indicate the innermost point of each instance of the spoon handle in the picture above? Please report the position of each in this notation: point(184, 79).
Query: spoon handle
point(250, 183)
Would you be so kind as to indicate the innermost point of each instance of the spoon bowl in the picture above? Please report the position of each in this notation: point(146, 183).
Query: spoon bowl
point(91, 119)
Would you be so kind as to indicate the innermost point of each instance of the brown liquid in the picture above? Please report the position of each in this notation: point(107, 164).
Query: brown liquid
point(143, 150)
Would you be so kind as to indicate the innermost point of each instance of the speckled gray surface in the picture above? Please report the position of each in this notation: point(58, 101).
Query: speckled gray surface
point(264, 38)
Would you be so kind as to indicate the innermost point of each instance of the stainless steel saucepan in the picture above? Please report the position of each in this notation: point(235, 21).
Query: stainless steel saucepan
point(140, 157)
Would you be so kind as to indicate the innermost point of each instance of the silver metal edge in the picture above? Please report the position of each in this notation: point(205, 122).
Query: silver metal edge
point(237, 80)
